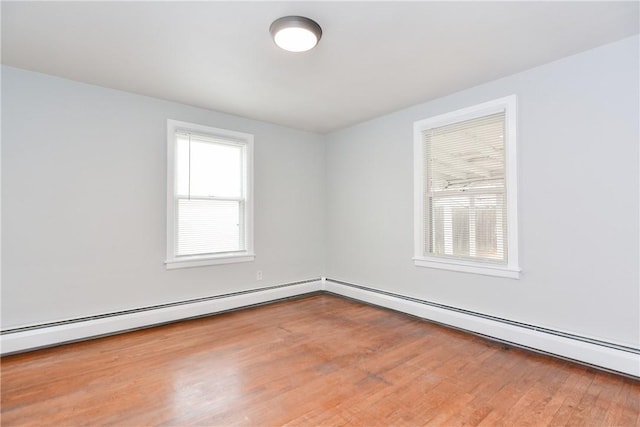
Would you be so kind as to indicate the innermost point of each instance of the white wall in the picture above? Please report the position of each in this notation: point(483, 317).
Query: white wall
point(84, 200)
point(578, 191)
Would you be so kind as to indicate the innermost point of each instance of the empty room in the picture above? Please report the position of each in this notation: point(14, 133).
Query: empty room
point(320, 213)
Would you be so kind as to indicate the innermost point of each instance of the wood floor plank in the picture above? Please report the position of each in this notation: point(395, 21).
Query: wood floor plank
point(315, 361)
point(626, 409)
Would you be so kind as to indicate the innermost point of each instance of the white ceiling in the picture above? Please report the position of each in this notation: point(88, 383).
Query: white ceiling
point(374, 57)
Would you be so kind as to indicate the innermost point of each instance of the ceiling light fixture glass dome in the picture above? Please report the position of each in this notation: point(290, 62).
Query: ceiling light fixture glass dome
point(295, 33)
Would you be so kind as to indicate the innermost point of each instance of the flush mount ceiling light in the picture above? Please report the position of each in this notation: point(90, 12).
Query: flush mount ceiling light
point(295, 33)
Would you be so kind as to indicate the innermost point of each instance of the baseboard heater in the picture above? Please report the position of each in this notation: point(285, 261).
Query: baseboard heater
point(598, 353)
point(32, 337)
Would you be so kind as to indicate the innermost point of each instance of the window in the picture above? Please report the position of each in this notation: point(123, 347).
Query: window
point(209, 203)
point(465, 190)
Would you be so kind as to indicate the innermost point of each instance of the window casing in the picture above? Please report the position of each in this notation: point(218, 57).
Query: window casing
point(465, 185)
point(209, 196)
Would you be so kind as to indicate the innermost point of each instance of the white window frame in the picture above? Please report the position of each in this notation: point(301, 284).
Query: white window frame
point(511, 268)
point(244, 139)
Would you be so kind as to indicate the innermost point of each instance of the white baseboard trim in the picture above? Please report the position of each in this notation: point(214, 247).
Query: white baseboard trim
point(581, 349)
point(39, 336)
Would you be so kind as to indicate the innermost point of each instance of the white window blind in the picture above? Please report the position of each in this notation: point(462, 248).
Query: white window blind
point(465, 190)
point(465, 208)
point(209, 197)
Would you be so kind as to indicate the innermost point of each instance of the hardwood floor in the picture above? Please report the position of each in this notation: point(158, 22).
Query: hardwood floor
point(321, 360)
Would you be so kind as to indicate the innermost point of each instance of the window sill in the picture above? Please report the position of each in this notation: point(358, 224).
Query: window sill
point(469, 267)
point(186, 262)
